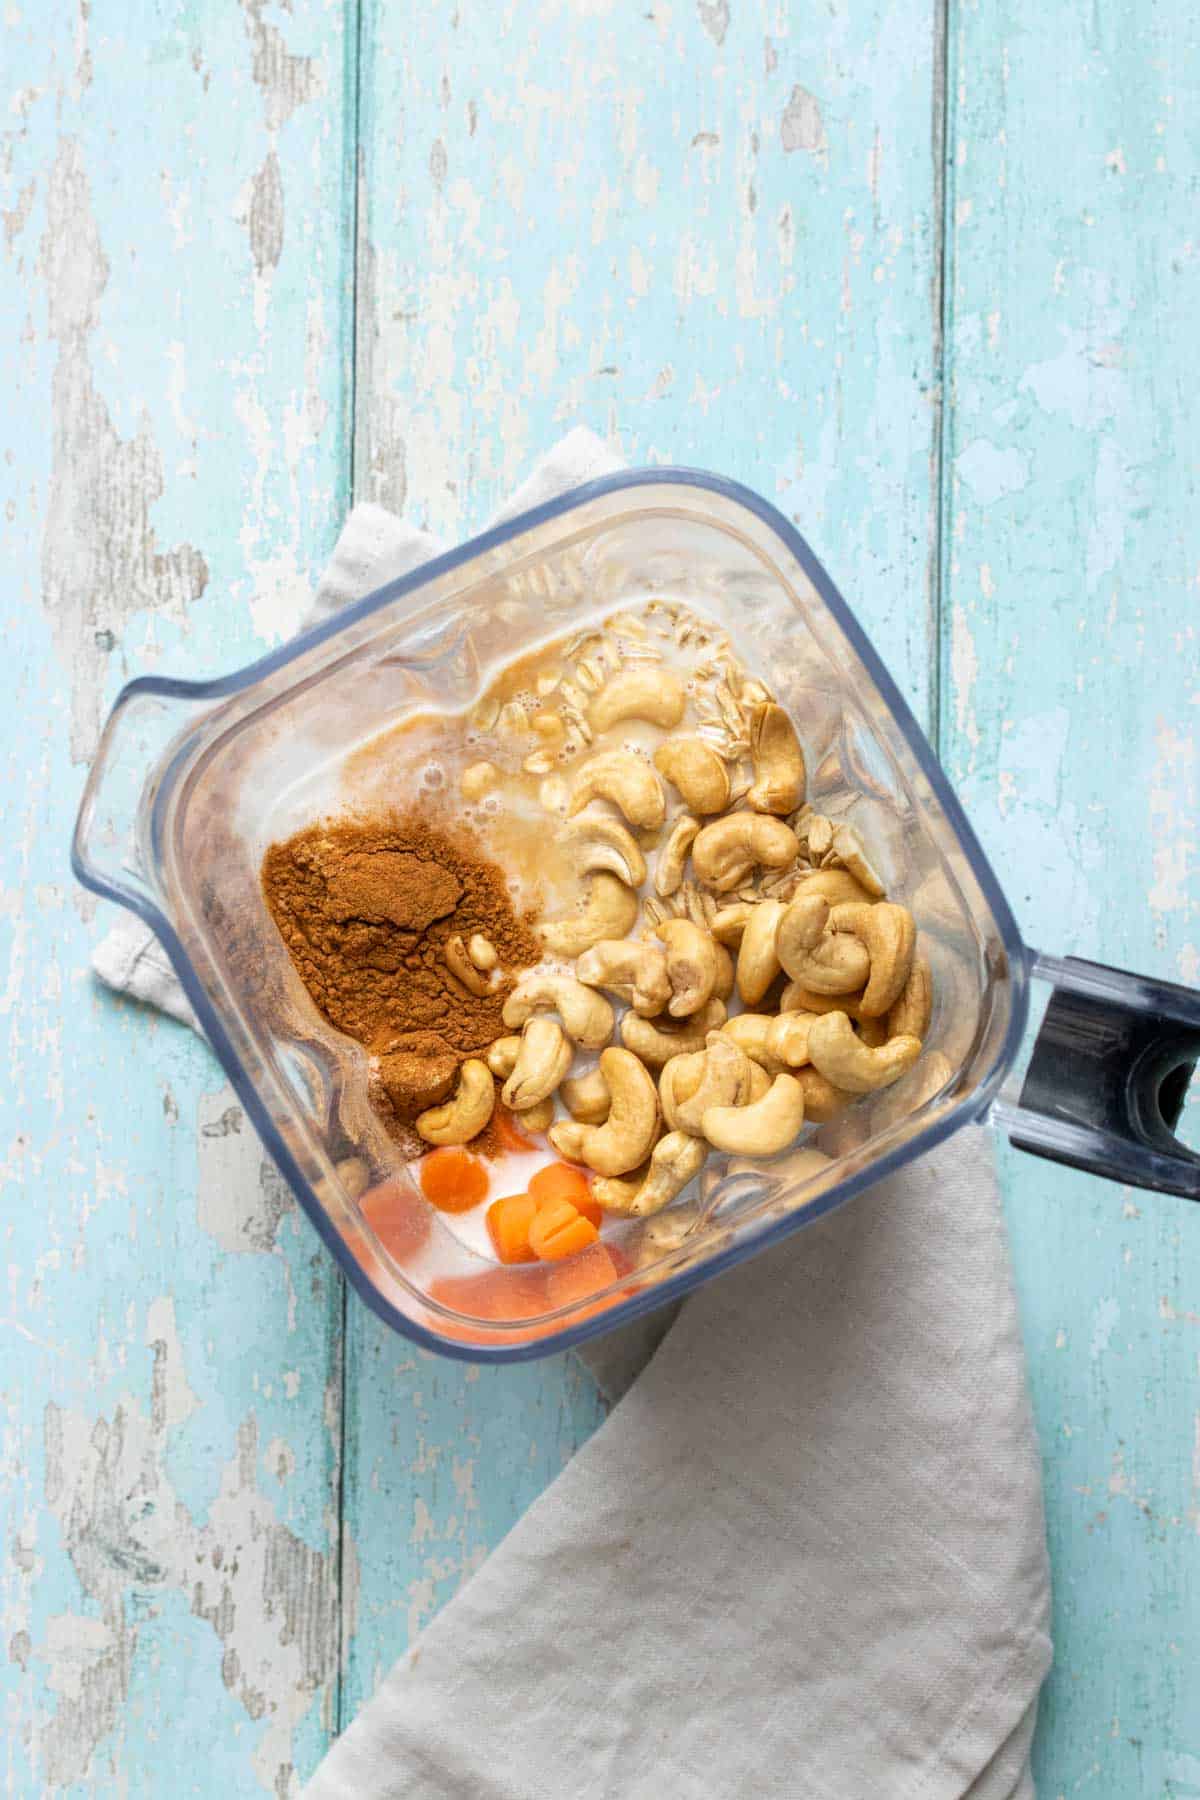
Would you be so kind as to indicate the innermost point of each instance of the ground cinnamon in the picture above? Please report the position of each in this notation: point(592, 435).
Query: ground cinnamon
point(365, 907)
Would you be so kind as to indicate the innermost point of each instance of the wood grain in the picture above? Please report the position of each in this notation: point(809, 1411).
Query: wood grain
point(1071, 685)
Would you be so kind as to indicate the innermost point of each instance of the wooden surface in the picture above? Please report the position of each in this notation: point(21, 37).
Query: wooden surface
point(260, 258)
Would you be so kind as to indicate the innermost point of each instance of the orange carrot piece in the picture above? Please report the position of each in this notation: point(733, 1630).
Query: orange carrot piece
point(559, 1230)
point(396, 1214)
point(508, 1223)
point(589, 1273)
point(453, 1180)
point(509, 1132)
point(564, 1181)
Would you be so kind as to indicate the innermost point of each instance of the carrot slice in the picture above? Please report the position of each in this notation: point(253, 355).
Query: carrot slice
point(508, 1223)
point(397, 1216)
point(453, 1180)
point(564, 1181)
point(509, 1132)
point(584, 1275)
point(559, 1230)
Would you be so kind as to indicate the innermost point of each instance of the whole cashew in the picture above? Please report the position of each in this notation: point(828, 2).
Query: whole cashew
point(847, 846)
point(729, 925)
point(611, 911)
point(725, 851)
point(655, 694)
point(764, 1128)
point(605, 843)
point(542, 1061)
point(502, 1057)
point(668, 877)
point(636, 971)
point(677, 1081)
point(889, 936)
point(675, 1160)
point(468, 1110)
point(586, 1098)
point(813, 955)
point(779, 773)
point(623, 778)
point(798, 998)
point(586, 1016)
point(834, 885)
point(849, 1064)
point(758, 963)
point(625, 1138)
point(656, 1044)
point(775, 1042)
point(822, 1101)
point(724, 1080)
point(538, 1117)
point(458, 961)
point(700, 775)
point(911, 1014)
point(692, 966)
point(482, 952)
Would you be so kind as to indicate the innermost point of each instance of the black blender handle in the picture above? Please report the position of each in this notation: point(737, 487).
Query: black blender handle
point(1109, 1074)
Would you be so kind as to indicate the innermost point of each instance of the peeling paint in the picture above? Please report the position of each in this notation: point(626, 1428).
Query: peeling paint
point(286, 81)
point(802, 126)
point(714, 16)
point(100, 558)
point(241, 1199)
point(265, 220)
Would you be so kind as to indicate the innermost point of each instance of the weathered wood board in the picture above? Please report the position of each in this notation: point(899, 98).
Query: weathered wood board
point(259, 257)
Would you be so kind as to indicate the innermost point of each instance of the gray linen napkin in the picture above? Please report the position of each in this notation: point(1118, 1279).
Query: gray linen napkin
point(804, 1556)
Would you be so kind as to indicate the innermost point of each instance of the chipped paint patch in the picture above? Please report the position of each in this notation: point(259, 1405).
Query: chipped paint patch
point(714, 16)
point(991, 472)
point(241, 1199)
point(803, 127)
point(101, 562)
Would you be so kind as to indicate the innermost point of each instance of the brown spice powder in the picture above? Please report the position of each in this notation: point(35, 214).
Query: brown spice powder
point(365, 907)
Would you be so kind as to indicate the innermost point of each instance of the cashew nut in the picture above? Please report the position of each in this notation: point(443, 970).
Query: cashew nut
point(482, 952)
point(675, 1160)
point(692, 966)
point(889, 936)
point(656, 1044)
point(623, 778)
point(636, 971)
point(834, 885)
point(725, 851)
point(813, 955)
point(700, 775)
point(502, 1057)
point(478, 780)
point(847, 846)
point(778, 761)
point(605, 843)
point(728, 926)
point(542, 1061)
point(668, 877)
point(723, 985)
point(776, 1043)
point(842, 1057)
point(822, 1101)
point(625, 1138)
point(758, 963)
point(655, 694)
point(586, 1098)
point(720, 1076)
point(459, 963)
point(468, 1110)
point(763, 1128)
point(587, 1017)
point(911, 1014)
point(537, 1117)
point(798, 998)
point(610, 911)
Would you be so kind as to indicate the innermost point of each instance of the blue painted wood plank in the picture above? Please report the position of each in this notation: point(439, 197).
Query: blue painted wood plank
point(710, 231)
point(174, 338)
point(1071, 686)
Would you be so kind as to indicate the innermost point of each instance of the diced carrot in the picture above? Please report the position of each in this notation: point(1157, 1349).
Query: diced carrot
point(559, 1229)
point(582, 1276)
point(453, 1180)
point(564, 1181)
point(508, 1222)
point(509, 1132)
point(398, 1217)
